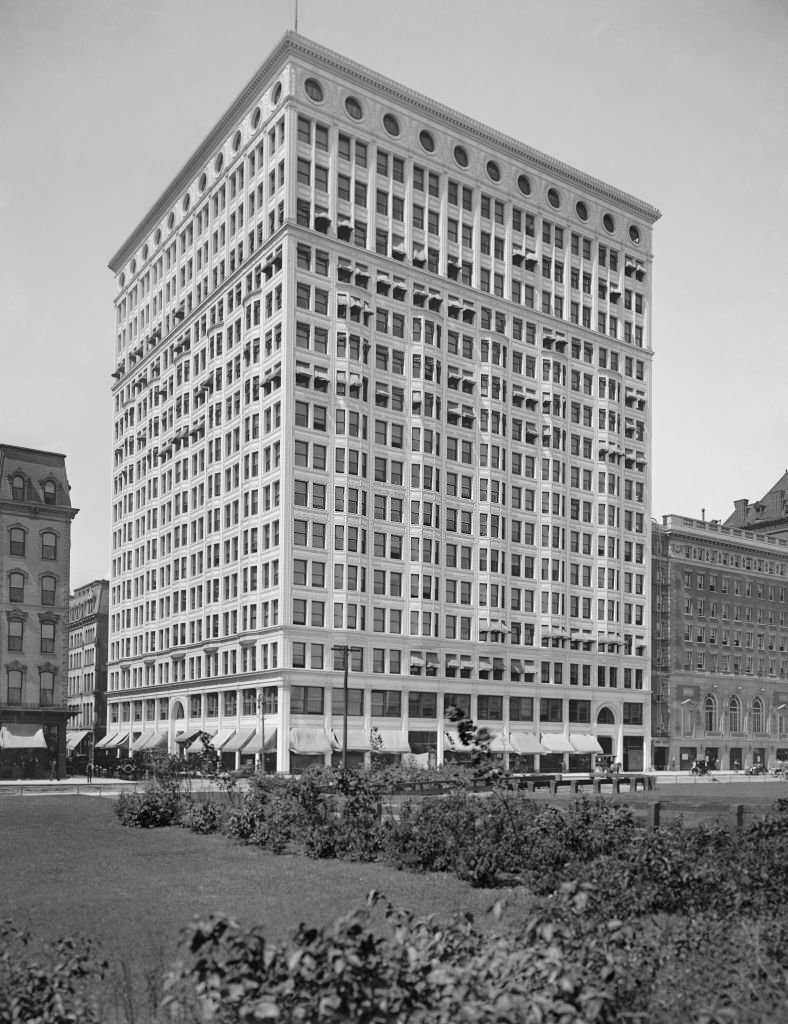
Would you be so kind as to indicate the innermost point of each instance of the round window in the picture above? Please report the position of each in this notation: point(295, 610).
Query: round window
point(276, 95)
point(391, 124)
point(145, 251)
point(581, 210)
point(493, 170)
point(122, 281)
point(203, 181)
point(157, 236)
point(133, 267)
point(236, 142)
point(524, 184)
point(554, 198)
point(461, 156)
point(218, 163)
point(353, 107)
point(257, 117)
point(186, 202)
point(314, 90)
point(634, 233)
point(171, 221)
point(610, 224)
point(427, 141)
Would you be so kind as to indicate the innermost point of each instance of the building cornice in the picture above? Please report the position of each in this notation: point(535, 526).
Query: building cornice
point(293, 45)
point(747, 541)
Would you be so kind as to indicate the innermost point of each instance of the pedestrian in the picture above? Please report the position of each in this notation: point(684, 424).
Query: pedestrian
point(52, 766)
point(89, 771)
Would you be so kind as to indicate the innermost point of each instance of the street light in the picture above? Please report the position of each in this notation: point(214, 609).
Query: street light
point(346, 649)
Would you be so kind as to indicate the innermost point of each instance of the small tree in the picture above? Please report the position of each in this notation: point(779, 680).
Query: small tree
point(476, 739)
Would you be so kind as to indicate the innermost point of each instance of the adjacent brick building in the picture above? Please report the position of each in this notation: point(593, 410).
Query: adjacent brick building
point(720, 664)
point(35, 550)
point(88, 630)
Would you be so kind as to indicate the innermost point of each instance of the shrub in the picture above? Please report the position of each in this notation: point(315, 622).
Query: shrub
point(418, 970)
point(59, 986)
point(202, 816)
point(158, 805)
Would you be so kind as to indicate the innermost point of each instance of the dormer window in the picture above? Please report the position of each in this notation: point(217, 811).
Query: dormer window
point(18, 488)
point(50, 492)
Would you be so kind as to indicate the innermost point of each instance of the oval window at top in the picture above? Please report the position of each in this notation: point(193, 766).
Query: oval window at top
point(276, 95)
point(218, 163)
point(236, 142)
point(461, 156)
point(257, 117)
point(610, 224)
point(524, 184)
point(554, 198)
point(314, 90)
point(426, 140)
point(353, 107)
point(581, 210)
point(634, 233)
point(391, 124)
point(493, 170)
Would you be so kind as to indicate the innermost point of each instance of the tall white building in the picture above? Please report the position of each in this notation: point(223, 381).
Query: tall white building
point(383, 383)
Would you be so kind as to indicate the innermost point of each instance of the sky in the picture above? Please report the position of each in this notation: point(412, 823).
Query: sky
point(683, 103)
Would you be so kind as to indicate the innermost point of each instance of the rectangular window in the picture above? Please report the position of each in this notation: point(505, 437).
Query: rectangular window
point(306, 700)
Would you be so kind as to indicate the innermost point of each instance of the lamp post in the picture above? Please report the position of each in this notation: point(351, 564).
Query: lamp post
point(344, 711)
point(346, 651)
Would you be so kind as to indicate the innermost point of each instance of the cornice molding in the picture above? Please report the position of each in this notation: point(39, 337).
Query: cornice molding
point(293, 45)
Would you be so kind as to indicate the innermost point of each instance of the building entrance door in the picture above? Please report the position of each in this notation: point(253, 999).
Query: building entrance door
point(633, 753)
point(686, 756)
point(712, 757)
point(735, 759)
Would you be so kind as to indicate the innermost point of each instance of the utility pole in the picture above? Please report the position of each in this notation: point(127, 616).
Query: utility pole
point(344, 711)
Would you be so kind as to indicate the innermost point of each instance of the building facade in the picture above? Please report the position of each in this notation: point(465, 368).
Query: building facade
point(382, 393)
point(35, 553)
point(720, 627)
point(769, 515)
point(88, 636)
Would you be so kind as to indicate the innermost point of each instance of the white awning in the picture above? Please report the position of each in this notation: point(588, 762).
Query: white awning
point(499, 743)
point(157, 741)
point(259, 742)
point(584, 743)
point(392, 741)
point(309, 741)
point(120, 739)
point(556, 743)
point(20, 736)
point(222, 736)
point(525, 743)
point(143, 739)
point(196, 746)
point(74, 737)
point(238, 740)
point(452, 741)
point(106, 741)
point(357, 738)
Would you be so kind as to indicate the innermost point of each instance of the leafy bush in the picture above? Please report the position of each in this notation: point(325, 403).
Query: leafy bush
point(419, 971)
point(158, 805)
point(202, 816)
point(57, 986)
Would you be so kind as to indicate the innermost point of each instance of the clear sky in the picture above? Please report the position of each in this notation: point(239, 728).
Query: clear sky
point(683, 103)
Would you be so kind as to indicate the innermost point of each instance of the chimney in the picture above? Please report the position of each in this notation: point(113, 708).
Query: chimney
point(703, 515)
point(740, 511)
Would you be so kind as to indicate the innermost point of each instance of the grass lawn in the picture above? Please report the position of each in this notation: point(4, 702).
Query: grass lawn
point(70, 868)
